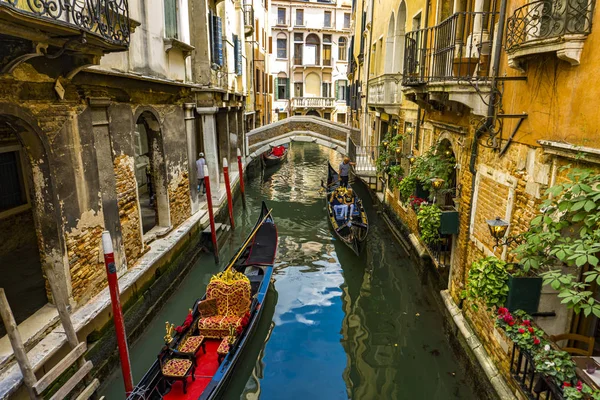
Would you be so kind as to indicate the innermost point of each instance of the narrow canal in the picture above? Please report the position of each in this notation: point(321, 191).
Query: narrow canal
point(336, 326)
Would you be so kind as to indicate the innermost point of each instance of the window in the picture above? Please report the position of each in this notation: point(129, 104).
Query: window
point(282, 89)
point(237, 54)
point(298, 39)
point(326, 38)
point(327, 54)
point(171, 29)
point(300, 17)
point(312, 49)
point(216, 29)
point(341, 118)
point(341, 88)
point(281, 47)
point(326, 89)
point(13, 191)
point(298, 89)
point(257, 81)
point(346, 23)
point(281, 16)
point(327, 116)
point(342, 49)
point(327, 19)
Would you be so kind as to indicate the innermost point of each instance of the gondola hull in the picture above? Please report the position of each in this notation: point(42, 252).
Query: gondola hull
point(352, 231)
point(271, 160)
point(258, 257)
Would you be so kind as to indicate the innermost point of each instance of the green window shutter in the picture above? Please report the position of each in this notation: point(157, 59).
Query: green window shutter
point(171, 31)
point(276, 90)
point(287, 88)
point(337, 90)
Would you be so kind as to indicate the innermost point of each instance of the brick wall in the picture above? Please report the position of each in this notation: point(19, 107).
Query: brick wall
point(88, 276)
point(179, 199)
point(129, 212)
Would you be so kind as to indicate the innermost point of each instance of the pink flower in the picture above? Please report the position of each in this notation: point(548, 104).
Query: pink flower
point(508, 318)
point(526, 322)
point(530, 329)
point(579, 386)
point(502, 311)
point(521, 330)
point(536, 341)
point(511, 323)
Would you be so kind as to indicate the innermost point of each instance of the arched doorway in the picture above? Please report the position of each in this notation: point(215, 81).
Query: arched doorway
point(313, 113)
point(389, 47)
point(312, 50)
point(150, 173)
point(28, 217)
point(399, 38)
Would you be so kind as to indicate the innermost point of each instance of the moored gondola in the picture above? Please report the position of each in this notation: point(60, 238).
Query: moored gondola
point(275, 156)
point(345, 212)
point(200, 356)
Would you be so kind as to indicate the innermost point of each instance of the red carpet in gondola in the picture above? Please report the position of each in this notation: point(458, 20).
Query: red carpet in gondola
point(207, 365)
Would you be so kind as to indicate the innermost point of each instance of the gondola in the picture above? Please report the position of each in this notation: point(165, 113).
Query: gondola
point(271, 158)
point(200, 356)
point(345, 212)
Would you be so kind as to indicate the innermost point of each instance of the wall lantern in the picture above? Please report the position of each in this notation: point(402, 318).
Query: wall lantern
point(498, 228)
point(437, 183)
point(409, 129)
point(411, 158)
point(385, 143)
point(398, 150)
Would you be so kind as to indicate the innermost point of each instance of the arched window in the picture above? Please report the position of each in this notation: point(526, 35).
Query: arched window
point(312, 50)
point(342, 49)
point(281, 45)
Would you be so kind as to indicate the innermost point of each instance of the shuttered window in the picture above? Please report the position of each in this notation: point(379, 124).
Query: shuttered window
point(171, 29)
point(341, 90)
point(216, 29)
point(237, 47)
point(283, 89)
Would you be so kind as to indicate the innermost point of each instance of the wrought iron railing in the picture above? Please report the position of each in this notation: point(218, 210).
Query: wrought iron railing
point(108, 19)
point(441, 251)
point(534, 385)
point(459, 48)
point(303, 102)
point(547, 19)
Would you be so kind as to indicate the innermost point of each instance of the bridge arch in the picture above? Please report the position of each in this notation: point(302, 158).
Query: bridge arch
point(299, 129)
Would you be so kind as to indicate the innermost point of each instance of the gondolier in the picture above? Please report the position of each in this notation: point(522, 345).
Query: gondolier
point(345, 171)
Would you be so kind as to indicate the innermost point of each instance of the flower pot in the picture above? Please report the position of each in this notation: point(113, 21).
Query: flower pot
point(449, 221)
point(524, 293)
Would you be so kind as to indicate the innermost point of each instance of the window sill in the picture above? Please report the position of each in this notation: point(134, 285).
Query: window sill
point(567, 48)
point(281, 59)
point(172, 43)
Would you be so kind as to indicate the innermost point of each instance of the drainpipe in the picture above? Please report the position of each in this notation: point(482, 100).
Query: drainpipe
point(491, 108)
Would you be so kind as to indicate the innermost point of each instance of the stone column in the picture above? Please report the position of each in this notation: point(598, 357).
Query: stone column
point(211, 152)
point(106, 173)
point(192, 153)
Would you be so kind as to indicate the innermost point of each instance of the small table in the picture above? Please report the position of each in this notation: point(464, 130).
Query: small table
point(224, 347)
point(192, 344)
point(582, 362)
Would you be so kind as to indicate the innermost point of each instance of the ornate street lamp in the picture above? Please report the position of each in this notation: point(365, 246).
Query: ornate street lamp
point(384, 143)
point(411, 158)
point(437, 183)
point(498, 228)
point(409, 129)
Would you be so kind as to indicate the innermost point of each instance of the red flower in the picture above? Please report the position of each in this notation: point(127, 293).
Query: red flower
point(536, 341)
point(530, 329)
point(521, 330)
point(579, 386)
point(511, 323)
point(502, 311)
point(507, 318)
point(526, 322)
point(566, 384)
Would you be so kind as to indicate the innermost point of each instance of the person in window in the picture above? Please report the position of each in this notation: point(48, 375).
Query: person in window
point(200, 164)
point(345, 171)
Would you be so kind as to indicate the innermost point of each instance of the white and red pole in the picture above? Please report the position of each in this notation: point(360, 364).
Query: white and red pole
point(211, 216)
point(115, 299)
point(228, 191)
point(241, 172)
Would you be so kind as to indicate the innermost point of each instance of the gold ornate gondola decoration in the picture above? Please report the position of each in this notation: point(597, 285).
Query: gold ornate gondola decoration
point(170, 328)
point(229, 276)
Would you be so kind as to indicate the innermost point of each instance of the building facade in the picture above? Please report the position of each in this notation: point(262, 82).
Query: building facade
point(310, 58)
point(101, 123)
point(498, 97)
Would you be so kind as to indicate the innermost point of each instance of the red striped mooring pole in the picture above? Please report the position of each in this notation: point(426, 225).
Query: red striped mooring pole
point(115, 299)
point(241, 172)
point(211, 216)
point(228, 191)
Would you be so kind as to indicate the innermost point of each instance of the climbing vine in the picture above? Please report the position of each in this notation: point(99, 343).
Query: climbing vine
point(429, 219)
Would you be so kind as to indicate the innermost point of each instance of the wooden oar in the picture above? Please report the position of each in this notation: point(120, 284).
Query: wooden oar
point(248, 241)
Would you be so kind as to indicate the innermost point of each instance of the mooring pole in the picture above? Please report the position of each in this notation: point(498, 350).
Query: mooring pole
point(241, 172)
point(211, 216)
point(115, 299)
point(228, 191)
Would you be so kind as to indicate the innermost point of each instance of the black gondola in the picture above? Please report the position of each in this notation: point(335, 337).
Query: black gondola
point(192, 368)
point(270, 159)
point(345, 212)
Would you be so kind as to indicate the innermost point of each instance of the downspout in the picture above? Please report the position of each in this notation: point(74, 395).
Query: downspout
point(491, 107)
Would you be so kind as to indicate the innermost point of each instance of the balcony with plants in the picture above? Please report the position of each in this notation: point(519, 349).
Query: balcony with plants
point(560, 249)
point(548, 26)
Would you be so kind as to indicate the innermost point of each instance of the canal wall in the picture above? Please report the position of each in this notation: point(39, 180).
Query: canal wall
point(467, 350)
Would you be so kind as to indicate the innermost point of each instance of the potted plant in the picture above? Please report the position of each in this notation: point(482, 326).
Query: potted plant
point(524, 291)
point(428, 219)
point(449, 221)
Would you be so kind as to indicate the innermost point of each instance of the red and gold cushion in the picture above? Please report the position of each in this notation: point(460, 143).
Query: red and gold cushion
point(218, 326)
point(223, 346)
point(176, 367)
point(232, 293)
point(191, 344)
point(208, 308)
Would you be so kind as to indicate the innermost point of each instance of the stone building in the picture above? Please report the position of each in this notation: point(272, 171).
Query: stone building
point(101, 122)
point(310, 58)
point(487, 84)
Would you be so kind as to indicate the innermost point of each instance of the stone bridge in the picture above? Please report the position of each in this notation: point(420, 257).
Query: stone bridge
point(300, 129)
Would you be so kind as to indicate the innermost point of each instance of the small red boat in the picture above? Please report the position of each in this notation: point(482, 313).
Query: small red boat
point(275, 156)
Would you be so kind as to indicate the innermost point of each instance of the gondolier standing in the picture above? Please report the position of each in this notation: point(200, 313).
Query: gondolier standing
point(200, 163)
point(345, 171)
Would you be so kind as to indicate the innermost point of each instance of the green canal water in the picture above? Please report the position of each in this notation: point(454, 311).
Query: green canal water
point(335, 326)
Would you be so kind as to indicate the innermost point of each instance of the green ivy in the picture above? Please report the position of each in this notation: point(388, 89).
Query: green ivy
point(396, 175)
point(431, 165)
point(429, 219)
point(407, 187)
point(488, 281)
point(567, 232)
point(388, 153)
